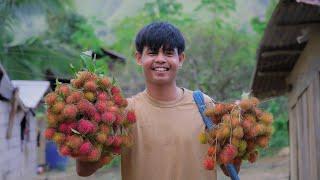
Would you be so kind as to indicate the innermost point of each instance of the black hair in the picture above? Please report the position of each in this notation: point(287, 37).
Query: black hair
point(160, 34)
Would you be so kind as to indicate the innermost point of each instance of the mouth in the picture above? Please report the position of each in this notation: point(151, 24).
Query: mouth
point(160, 69)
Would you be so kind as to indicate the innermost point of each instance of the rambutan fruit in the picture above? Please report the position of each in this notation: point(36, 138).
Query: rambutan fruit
point(90, 96)
point(230, 107)
point(101, 106)
point(102, 96)
point(246, 124)
point(83, 105)
point(104, 82)
point(101, 137)
point(85, 148)
point(104, 128)
point(63, 90)
point(242, 146)
point(65, 150)
point(253, 156)
point(49, 132)
point(105, 159)
point(97, 117)
point(219, 134)
point(219, 109)
point(131, 117)
point(226, 119)
point(212, 133)
point(228, 153)
point(259, 128)
point(235, 141)
point(117, 98)
point(115, 90)
point(113, 109)
point(246, 104)
point(63, 127)
point(212, 151)
point(251, 145)
point(70, 111)
point(116, 150)
point(237, 161)
point(52, 120)
point(84, 76)
point(203, 138)
point(225, 131)
point(250, 117)
point(110, 103)
point(74, 141)
point(117, 141)
point(95, 154)
point(235, 113)
point(74, 97)
point(124, 102)
point(209, 163)
point(127, 140)
point(90, 86)
point(235, 121)
point(57, 107)
point(76, 83)
point(216, 119)
point(257, 112)
point(58, 138)
point(209, 112)
point(119, 119)
point(110, 140)
point(266, 118)
point(268, 130)
point(252, 133)
point(108, 117)
point(255, 101)
point(238, 132)
point(51, 98)
point(85, 126)
point(262, 141)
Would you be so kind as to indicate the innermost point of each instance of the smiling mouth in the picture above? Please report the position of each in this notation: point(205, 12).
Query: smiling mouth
point(160, 69)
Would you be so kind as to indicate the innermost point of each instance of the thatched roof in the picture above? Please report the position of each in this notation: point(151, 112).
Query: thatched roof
point(281, 46)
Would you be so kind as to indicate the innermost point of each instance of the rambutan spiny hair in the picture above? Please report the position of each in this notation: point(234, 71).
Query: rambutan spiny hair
point(160, 34)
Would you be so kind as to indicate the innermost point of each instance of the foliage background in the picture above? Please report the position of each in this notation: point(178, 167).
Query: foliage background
point(222, 38)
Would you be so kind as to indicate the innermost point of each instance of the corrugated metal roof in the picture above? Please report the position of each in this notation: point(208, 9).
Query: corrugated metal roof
point(31, 92)
point(279, 49)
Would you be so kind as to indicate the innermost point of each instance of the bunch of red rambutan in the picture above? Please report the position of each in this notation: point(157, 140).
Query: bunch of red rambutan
point(241, 127)
point(88, 118)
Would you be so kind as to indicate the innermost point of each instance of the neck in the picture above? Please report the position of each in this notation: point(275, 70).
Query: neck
point(164, 92)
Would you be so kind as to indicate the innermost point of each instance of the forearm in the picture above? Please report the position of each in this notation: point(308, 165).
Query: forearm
point(85, 168)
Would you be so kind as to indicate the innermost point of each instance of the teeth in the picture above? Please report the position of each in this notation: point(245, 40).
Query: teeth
point(160, 69)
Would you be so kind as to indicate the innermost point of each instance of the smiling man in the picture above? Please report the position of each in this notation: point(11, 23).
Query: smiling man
point(168, 122)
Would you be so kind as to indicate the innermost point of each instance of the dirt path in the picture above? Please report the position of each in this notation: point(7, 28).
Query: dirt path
point(270, 168)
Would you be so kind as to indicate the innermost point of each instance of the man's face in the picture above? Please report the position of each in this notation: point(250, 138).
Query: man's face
point(160, 67)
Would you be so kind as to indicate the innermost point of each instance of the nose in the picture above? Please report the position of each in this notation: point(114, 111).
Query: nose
point(160, 58)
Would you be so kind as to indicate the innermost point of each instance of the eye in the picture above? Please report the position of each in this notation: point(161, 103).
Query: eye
point(169, 53)
point(152, 53)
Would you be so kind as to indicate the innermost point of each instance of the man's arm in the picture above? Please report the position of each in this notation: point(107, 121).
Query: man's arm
point(87, 168)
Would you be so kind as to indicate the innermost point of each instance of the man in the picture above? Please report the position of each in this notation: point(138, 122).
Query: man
point(168, 123)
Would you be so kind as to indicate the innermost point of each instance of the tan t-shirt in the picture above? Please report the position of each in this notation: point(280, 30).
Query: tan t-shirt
point(166, 141)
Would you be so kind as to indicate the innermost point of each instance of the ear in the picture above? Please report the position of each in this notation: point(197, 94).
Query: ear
point(182, 57)
point(138, 56)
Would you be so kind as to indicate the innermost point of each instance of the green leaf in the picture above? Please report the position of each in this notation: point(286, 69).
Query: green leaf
point(73, 69)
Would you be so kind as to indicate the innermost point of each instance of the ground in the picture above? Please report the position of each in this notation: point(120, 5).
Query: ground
point(269, 168)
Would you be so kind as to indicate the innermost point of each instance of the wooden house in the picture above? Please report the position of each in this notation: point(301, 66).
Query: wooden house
point(288, 64)
point(18, 133)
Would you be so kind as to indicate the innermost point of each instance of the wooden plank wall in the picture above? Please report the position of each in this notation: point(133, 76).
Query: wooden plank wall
point(305, 135)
